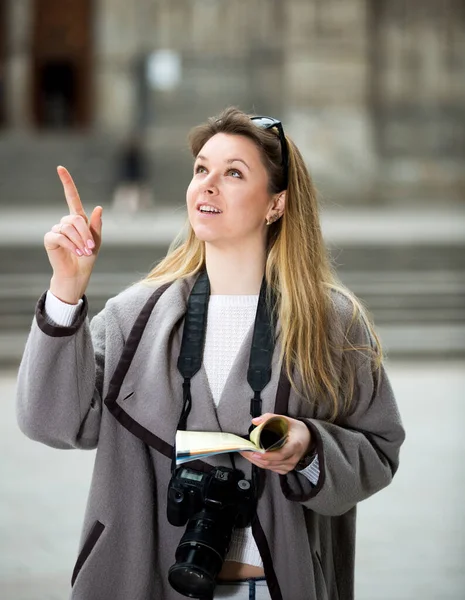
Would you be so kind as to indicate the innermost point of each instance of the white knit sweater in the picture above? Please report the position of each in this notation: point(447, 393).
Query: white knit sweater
point(229, 320)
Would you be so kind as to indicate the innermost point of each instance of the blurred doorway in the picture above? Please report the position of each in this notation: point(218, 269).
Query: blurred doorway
point(62, 63)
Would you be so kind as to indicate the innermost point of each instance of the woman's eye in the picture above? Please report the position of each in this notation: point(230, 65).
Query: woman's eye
point(200, 169)
point(235, 173)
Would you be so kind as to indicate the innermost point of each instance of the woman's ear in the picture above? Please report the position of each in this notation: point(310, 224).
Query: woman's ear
point(276, 209)
point(279, 203)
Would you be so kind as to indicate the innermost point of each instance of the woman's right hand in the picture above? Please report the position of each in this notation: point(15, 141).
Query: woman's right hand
point(72, 245)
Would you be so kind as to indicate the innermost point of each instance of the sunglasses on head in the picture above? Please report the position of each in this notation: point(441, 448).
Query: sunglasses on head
point(270, 123)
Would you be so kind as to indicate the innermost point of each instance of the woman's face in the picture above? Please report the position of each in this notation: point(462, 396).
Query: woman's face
point(228, 199)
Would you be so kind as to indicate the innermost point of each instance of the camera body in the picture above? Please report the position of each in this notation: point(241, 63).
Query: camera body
point(221, 490)
point(211, 504)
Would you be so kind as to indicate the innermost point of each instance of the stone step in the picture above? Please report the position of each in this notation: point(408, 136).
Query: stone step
point(430, 341)
point(406, 283)
point(434, 298)
point(141, 249)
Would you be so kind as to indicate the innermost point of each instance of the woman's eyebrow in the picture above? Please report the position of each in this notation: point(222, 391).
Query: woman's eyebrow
point(229, 161)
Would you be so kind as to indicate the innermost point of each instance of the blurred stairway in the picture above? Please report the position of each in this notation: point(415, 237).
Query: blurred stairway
point(414, 288)
point(28, 167)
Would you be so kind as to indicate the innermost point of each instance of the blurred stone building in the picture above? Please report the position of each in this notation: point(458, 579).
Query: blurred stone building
point(373, 91)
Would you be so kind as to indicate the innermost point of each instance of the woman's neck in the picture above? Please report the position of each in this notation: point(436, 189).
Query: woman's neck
point(234, 271)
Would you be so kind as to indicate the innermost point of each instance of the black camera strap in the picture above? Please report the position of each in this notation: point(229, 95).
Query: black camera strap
point(193, 342)
point(261, 353)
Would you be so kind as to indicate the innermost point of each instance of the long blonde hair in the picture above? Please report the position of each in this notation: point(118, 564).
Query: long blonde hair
point(298, 270)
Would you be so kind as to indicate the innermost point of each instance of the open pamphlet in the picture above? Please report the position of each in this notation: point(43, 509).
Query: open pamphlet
point(269, 435)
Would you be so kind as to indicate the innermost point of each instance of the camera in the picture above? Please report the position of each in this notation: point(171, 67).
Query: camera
point(211, 504)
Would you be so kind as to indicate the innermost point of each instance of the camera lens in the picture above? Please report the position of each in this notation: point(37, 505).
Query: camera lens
point(200, 554)
point(192, 575)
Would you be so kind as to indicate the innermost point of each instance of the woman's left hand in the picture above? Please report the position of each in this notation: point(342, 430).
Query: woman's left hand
point(285, 459)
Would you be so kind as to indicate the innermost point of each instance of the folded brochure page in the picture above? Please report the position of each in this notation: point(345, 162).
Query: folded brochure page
point(269, 435)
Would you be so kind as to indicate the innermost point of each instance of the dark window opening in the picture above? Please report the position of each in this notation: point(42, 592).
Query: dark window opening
point(62, 64)
point(57, 94)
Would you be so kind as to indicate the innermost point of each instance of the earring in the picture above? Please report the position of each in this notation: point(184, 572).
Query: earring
point(272, 219)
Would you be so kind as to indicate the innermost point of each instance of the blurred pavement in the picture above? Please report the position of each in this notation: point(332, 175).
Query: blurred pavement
point(411, 536)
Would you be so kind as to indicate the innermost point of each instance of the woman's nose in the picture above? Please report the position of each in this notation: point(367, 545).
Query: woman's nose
point(209, 186)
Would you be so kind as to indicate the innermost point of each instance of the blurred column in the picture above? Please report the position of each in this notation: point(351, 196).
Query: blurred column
point(418, 98)
point(116, 45)
point(326, 81)
point(19, 20)
point(3, 28)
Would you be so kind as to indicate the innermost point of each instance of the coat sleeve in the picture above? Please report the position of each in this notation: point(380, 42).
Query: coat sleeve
point(357, 456)
point(60, 381)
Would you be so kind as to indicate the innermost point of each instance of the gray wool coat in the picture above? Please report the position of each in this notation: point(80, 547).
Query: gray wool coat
point(114, 385)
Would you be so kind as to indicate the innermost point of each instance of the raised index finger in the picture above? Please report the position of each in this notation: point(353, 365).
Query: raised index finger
point(71, 193)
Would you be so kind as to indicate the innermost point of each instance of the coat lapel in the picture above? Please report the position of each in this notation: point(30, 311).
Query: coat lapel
point(146, 396)
point(138, 394)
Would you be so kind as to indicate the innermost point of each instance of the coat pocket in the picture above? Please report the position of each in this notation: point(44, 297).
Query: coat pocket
point(87, 548)
point(320, 582)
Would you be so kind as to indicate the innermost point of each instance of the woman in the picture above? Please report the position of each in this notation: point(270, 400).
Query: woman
point(254, 245)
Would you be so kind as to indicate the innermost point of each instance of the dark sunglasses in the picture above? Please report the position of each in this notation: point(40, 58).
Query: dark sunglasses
point(270, 123)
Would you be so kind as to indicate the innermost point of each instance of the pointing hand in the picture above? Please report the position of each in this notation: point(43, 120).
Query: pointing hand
point(73, 244)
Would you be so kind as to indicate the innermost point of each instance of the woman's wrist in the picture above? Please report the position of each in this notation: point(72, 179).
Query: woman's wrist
point(308, 456)
point(66, 293)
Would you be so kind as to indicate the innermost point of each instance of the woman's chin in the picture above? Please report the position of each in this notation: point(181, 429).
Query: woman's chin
point(205, 234)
